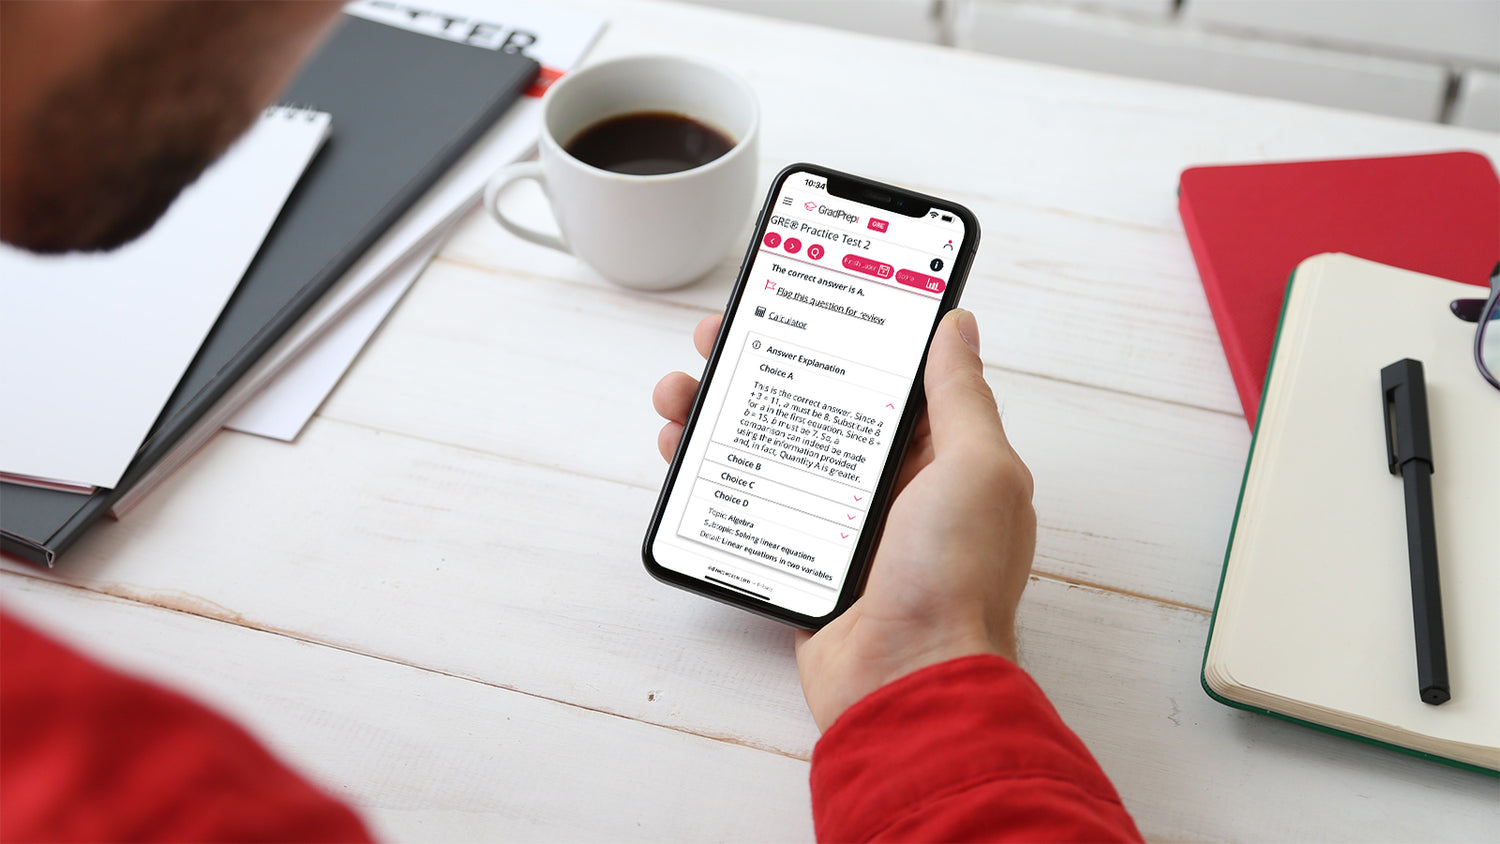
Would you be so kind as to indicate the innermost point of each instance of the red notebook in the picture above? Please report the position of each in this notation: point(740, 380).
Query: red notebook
point(1250, 225)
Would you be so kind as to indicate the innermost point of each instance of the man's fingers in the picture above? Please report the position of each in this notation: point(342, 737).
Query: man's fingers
point(673, 396)
point(706, 332)
point(666, 441)
point(960, 406)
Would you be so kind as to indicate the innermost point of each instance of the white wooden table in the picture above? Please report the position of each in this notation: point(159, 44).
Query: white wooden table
point(434, 602)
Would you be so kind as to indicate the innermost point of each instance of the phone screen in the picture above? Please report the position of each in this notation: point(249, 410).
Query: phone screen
point(778, 470)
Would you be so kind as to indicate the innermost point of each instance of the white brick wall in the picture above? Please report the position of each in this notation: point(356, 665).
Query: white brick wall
point(1478, 105)
point(1461, 30)
point(911, 20)
point(1053, 33)
point(1151, 9)
point(1419, 59)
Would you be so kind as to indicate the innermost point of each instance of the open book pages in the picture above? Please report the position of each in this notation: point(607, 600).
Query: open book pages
point(1314, 619)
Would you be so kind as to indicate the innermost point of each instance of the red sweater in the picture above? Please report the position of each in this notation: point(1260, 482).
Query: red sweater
point(88, 754)
point(969, 749)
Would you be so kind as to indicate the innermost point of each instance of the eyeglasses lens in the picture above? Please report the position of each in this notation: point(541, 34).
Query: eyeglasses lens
point(1489, 340)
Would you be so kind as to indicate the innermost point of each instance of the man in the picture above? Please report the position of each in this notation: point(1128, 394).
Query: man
point(107, 109)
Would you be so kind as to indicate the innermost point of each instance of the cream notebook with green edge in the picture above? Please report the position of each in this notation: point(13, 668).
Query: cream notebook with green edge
point(1314, 615)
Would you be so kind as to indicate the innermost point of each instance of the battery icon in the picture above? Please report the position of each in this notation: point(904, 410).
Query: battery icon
point(947, 218)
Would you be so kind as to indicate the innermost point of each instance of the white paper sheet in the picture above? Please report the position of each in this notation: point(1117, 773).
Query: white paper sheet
point(283, 408)
point(93, 344)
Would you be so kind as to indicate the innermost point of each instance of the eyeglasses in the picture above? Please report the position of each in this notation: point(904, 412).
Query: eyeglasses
point(1486, 336)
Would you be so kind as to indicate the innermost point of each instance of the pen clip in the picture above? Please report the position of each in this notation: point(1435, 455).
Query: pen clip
point(1407, 435)
point(1388, 392)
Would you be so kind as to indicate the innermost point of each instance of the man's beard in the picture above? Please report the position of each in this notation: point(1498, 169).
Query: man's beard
point(110, 149)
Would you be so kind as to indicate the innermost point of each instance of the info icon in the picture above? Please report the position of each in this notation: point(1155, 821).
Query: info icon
point(937, 264)
point(815, 251)
point(773, 240)
point(792, 245)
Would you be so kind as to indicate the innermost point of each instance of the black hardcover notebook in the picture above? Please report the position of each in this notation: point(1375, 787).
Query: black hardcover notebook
point(405, 107)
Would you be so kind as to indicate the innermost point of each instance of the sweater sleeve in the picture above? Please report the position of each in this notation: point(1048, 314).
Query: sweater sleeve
point(967, 750)
point(87, 753)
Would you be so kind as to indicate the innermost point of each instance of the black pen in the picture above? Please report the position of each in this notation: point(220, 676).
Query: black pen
point(1409, 454)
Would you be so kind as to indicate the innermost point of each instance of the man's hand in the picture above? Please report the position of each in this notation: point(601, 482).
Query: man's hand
point(957, 545)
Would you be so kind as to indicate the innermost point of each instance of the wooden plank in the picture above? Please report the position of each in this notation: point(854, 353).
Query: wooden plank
point(451, 559)
point(1133, 494)
point(1074, 151)
point(1122, 672)
point(1128, 314)
point(526, 367)
point(1039, 135)
point(423, 756)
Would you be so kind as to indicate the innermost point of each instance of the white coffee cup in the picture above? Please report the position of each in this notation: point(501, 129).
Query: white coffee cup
point(646, 232)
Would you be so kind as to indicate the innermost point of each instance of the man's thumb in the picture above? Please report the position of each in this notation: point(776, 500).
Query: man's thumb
point(960, 405)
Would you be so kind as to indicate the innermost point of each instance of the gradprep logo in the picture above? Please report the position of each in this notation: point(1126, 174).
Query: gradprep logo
point(839, 214)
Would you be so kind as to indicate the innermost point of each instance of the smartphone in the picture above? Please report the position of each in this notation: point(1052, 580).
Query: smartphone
point(776, 497)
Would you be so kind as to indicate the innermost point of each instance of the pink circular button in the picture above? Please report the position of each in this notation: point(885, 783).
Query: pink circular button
point(815, 251)
point(792, 245)
point(773, 239)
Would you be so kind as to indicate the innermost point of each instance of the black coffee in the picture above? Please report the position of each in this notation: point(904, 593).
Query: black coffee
point(648, 143)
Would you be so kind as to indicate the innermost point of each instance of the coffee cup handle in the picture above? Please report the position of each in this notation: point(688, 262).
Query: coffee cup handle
point(500, 182)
